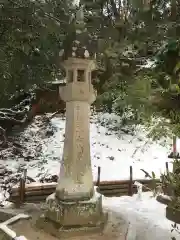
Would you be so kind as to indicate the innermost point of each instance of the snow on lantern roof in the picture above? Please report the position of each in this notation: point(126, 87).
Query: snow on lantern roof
point(79, 50)
point(81, 45)
point(61, 81)
point(58, 81)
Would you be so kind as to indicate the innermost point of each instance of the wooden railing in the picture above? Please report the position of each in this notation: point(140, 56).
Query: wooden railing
point(37, 192)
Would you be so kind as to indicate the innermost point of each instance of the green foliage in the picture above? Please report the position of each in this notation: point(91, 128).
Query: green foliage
point(129, 33)
point(126, 35)
point(139, 92)
point(31, 36)
point(156, 92)
point(153, 184)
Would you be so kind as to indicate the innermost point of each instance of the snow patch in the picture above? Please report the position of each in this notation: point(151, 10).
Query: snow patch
point(111, 148)
point(146, 217)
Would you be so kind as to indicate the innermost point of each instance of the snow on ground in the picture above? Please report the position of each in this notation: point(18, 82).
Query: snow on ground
point(118, 151)
point(111, 148)
point(146, 217)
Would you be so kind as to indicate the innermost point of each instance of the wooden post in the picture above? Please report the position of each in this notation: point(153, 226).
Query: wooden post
point(130, 192)
point(167, 168)
point(22, 187)
point(174, 146)
point(98, 178)
point(174, 154)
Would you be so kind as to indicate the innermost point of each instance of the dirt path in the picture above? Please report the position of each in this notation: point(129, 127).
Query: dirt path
point(115, 229)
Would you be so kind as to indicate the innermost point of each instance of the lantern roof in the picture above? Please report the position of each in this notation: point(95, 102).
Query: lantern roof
point(80, 44)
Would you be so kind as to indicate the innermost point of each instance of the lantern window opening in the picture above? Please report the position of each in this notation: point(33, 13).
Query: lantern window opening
point(81, 75)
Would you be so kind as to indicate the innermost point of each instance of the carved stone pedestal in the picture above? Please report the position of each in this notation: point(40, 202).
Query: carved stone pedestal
point(63, 217)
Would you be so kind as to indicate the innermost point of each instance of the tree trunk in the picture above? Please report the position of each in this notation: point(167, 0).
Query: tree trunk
point(173, 10)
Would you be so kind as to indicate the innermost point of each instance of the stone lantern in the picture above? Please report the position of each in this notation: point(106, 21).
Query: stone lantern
point(76, 181)
point(75, 204)
point(76, 173)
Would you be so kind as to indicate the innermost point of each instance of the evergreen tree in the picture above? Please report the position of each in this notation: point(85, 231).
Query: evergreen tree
point(31, 37)
point(131, 34)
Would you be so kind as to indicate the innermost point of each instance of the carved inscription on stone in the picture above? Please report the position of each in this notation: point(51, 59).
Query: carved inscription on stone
point(79, 134)
point(82, 211)
point(79, 138)
point(55, 209)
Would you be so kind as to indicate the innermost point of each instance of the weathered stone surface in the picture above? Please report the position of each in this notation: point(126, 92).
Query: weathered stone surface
point(13, 210)
point(79, 218)
point(76, 180)
point(115, 229)
point(75, 206)
point(75, 214)
point(6, 214)
point(4, 236)
point(61, 232)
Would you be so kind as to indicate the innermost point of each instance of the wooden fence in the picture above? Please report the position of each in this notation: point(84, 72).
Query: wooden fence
point(36, 192)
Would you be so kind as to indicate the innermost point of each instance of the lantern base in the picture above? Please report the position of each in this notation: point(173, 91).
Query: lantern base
point(76, 217)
